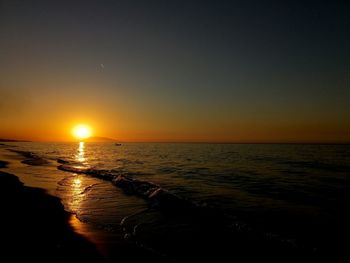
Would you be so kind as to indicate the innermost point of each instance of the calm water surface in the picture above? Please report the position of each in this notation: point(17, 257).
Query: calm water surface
point(281, 188)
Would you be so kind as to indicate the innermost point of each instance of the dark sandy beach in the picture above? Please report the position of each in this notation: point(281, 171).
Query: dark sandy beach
point(34, 227)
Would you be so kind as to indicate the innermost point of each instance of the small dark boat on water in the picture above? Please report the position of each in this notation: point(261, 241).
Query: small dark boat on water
point(118, 144)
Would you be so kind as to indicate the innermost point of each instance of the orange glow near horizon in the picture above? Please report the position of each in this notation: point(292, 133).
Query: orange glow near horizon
point(154, 127)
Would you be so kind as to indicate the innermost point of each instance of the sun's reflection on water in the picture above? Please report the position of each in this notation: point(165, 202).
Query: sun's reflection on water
point(76, 197)
point(80, 157)
point(77, 183)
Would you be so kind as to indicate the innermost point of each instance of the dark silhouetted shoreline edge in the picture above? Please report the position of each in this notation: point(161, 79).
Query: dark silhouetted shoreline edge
point(34, 227)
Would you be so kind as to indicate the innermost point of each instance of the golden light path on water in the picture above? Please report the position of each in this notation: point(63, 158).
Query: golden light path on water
point(77, 186)
point(80, 157)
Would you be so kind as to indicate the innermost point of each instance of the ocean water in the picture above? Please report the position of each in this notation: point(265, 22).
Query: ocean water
point(293, 192)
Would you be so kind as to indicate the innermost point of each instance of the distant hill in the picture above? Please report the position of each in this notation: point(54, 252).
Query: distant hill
point(11, 140)
point(100, 139)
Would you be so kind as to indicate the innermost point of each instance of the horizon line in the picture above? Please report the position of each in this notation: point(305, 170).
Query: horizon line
point(188, 142)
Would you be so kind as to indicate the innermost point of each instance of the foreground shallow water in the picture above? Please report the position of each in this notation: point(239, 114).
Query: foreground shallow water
point(297, 194)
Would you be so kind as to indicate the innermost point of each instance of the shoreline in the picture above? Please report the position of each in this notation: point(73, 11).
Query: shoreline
point(38, 228)
point(173, 229)
point(35, 226)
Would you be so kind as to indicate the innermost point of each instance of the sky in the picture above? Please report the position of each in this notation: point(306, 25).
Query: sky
point(179, 71)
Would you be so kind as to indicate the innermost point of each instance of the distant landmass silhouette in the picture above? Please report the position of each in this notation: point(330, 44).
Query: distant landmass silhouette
point(100, 139)
point(11, 140)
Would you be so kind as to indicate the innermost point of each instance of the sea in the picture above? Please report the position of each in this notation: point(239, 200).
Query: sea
point(296, 195)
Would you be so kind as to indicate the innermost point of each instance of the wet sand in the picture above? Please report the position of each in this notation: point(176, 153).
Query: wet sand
point(34, 227)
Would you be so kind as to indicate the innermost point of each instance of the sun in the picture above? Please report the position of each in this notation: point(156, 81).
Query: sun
point(82, 131)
